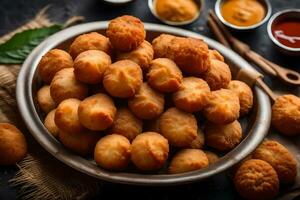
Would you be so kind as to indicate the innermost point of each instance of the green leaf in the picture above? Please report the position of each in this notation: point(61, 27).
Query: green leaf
point(15, 50)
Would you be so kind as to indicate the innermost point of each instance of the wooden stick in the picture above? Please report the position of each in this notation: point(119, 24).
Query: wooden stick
point(266, 89)
point(216, 31)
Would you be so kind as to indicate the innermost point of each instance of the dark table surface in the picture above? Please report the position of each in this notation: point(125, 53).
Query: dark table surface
point(14, 13)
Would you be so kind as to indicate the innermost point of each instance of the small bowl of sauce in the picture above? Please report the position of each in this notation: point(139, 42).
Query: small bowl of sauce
point(176, 12)
point(243, 14)
point(284, 31)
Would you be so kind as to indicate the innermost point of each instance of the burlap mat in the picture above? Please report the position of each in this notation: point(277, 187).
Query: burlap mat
point(41, 176)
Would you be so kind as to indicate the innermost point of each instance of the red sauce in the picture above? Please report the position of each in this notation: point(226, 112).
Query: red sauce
point(287, 33)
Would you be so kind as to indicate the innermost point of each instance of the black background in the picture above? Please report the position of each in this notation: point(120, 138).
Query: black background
point(14, 13)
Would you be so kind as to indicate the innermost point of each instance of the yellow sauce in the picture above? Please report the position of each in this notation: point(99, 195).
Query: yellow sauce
point(243, 12)
point(176, 10)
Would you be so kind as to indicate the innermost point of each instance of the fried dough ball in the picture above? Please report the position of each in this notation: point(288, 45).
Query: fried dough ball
point(164, 75)
point(223, 137)
point(112, 152)
point(223, 107)
point(280, 158)
point(244, 93)
point(89, 66)
point(13, 146)
point(44, 99)
point(147, 103)
point(97, 112)
point(64, 86)
point(188, 160)
point(149, 151)
point(286, 114)
point(192, 95)
point(123, 79)
point(198, 143)
point(190, 54)
point(179, 127)
point(142, 55)
point(218, 75)
point(82, 143)
point(214, 54)
point(212, 157)
point(66, 116)
point(52, 62)
point(126, 124)
point(126, 33)
point(161, 45)
point(256, 180)
point(90, 41)
point(50, 123)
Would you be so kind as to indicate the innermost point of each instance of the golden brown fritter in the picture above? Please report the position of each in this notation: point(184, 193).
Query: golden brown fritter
point(52, 62)
point(161, 46)
point(198, 143)
point(50, 123)
point(149, 151)
point(218, 75)
point(256, 180)
point(126, 33)
point(188, 160)
point(179, 127)
point(82, 143)
point(64, 86)
point(126, 124)
point(90, 41)
point(44, 99)
point(123, 79)
point(244, 93)
point(281, 159)
point(112, 152)
point(192, 95)
point(147, 103)
point(89, 66)
point(164, 75)
point(223, 137)
point(214, 54)
point(212, 157)
point(13, 146)
point(66, 116)
point(97, 112)
point(223, 107)
point(142, 55)
point(286, 114)
point(190, 54)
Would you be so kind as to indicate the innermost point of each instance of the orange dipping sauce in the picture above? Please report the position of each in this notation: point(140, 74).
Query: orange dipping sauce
point(243, 12)
point(287, 33)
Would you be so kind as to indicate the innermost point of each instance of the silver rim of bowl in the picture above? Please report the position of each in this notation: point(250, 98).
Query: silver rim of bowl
point(219, 15)
point(35, 125)
point(270, 23)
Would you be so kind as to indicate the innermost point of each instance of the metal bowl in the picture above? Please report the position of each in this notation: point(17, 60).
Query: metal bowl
point(151, 6)
point(279, 17)
point(255, 125)
point(265, 3)
point(117, 2)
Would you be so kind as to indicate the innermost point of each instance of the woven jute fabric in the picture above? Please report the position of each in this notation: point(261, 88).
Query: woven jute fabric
point(40, 176)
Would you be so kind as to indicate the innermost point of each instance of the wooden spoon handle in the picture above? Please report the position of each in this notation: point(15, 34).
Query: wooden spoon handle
point(266, 89)
point(256, 58)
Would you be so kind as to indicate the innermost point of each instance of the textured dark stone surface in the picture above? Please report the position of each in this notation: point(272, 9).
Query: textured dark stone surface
point(14, 13)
